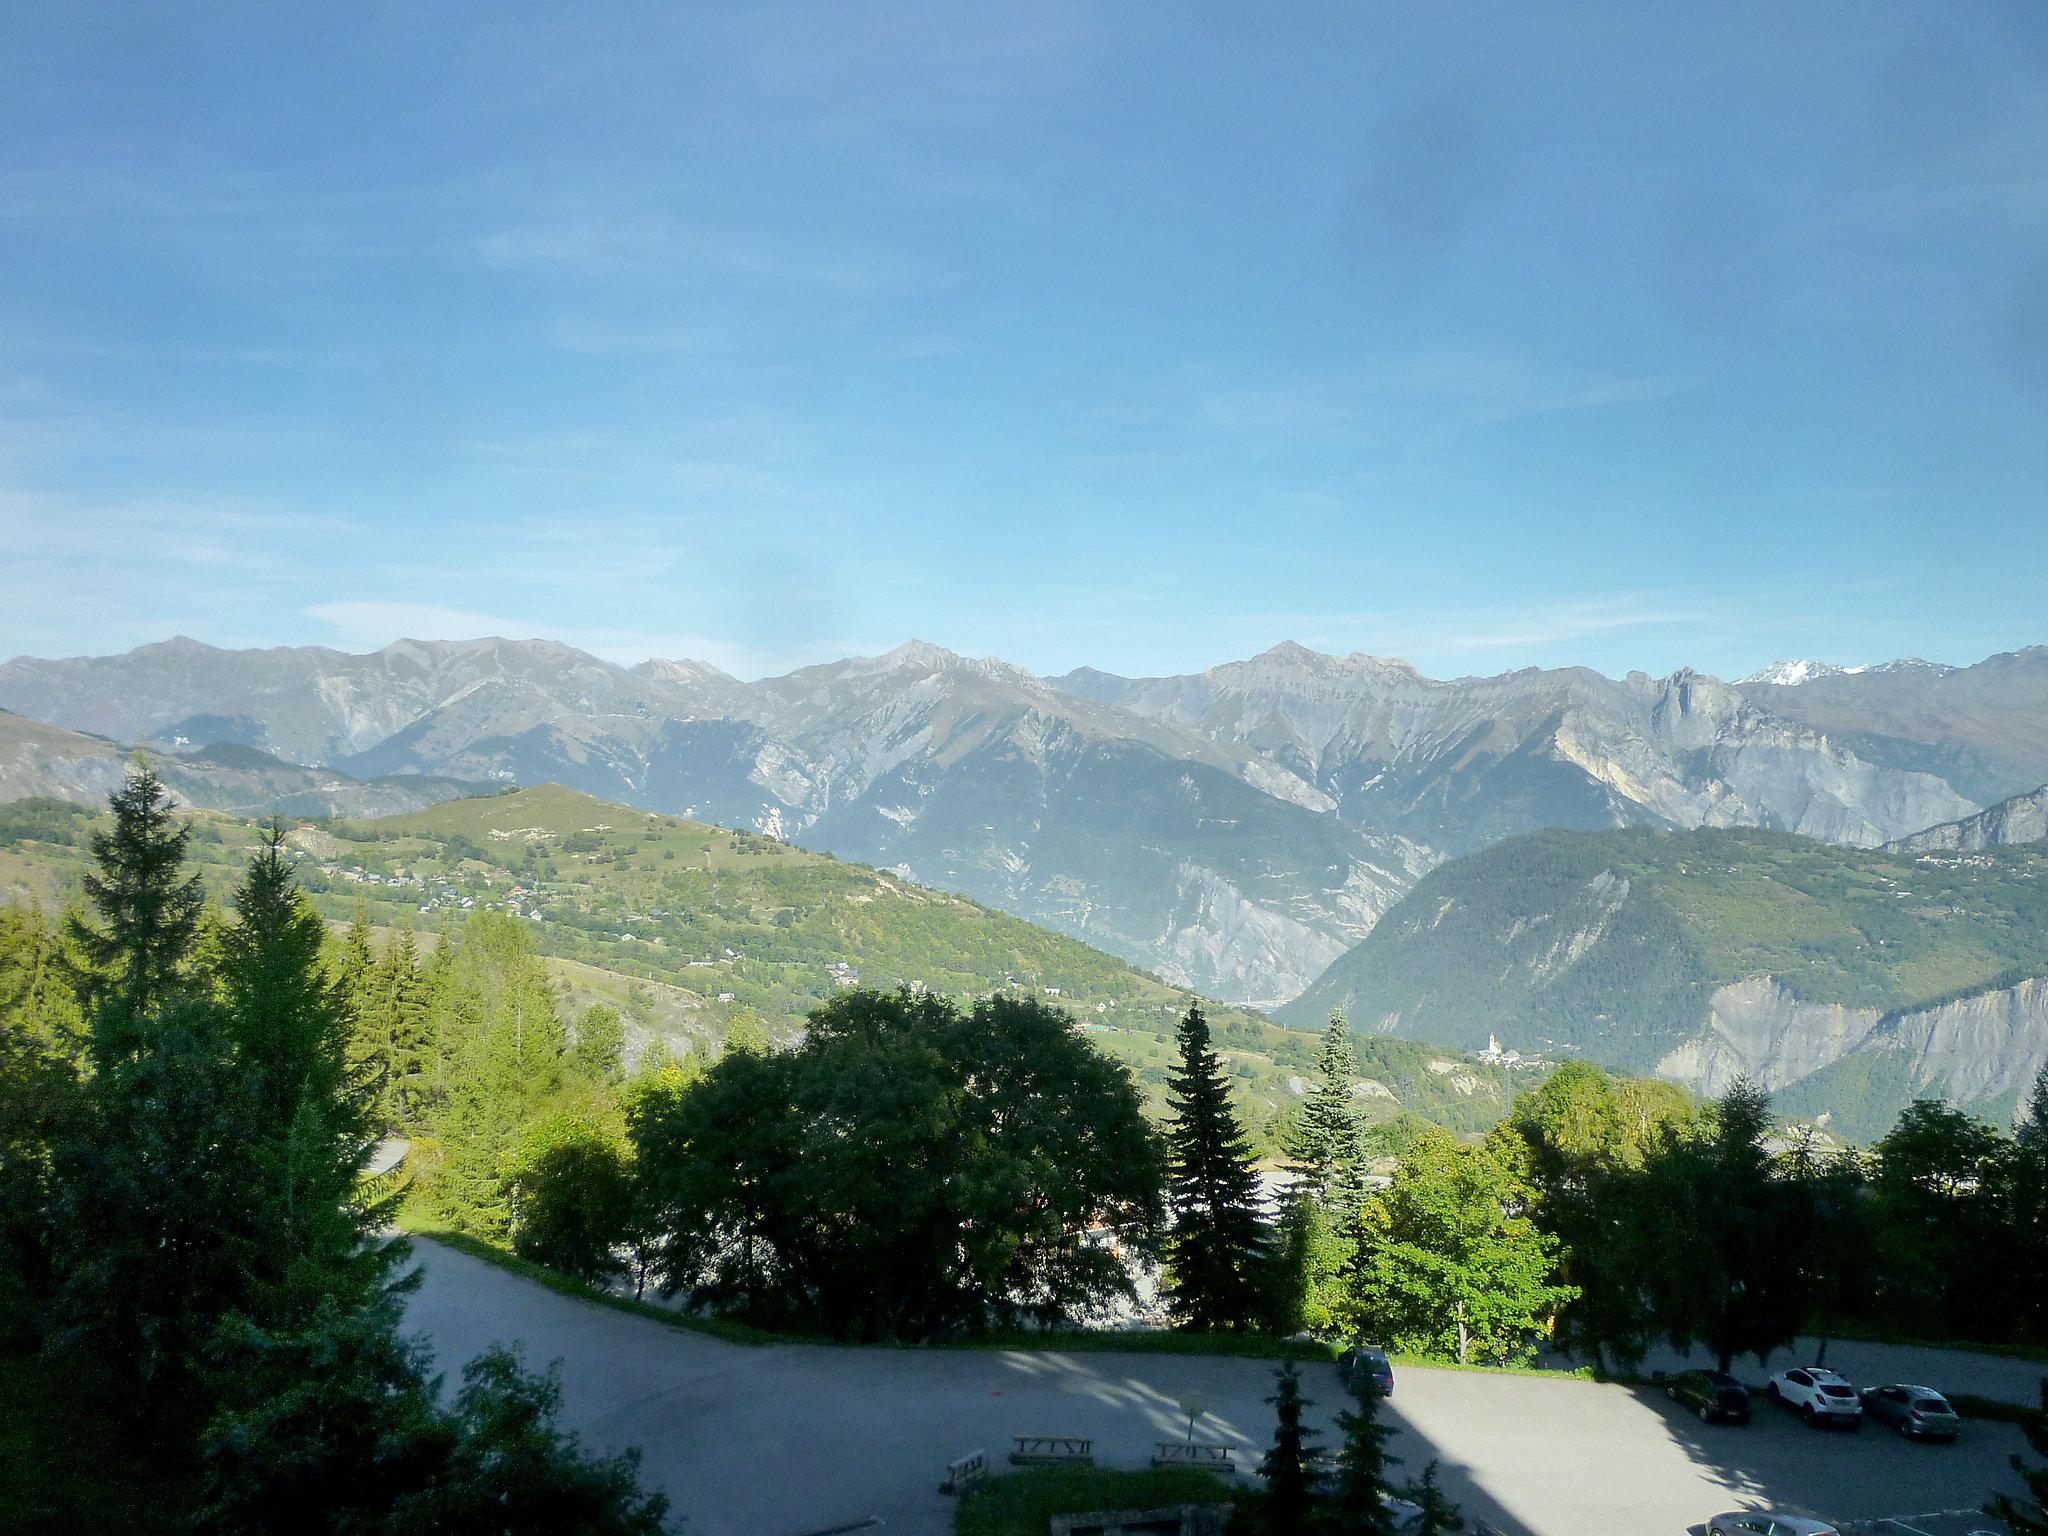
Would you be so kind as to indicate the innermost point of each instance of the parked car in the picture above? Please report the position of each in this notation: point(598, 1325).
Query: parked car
point(1918, 1413)
point(1757, 1522)
point(1362, 1365)
point(1818, 1395)
point(1713, 1395)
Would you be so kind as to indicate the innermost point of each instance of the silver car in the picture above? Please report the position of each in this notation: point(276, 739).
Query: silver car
point(1758, 1522)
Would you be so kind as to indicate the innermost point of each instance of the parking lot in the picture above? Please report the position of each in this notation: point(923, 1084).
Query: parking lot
point(793, 1439)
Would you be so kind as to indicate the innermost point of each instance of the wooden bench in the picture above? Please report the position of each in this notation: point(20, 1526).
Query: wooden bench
point(965, 1472)
point(1183, 1453)
point(1053, 1450)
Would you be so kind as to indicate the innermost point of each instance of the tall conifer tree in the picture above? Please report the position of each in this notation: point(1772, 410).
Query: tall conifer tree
point(1325, 1143)
point(1360, 1507)
point(1285, 1464)
point(148, 917)
point(1216, 1248)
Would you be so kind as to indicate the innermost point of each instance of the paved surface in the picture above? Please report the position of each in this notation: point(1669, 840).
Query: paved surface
point(794, 1439)
point(1872, 1365)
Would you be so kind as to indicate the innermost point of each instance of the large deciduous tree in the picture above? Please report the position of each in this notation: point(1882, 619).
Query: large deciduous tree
point(1449, 1260)
point(908, 1171)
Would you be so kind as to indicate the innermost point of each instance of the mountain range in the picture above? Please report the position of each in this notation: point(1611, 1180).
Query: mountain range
point(1236, 830)
point(1847, 980)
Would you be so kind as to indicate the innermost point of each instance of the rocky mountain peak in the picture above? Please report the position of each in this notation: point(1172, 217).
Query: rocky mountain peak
point(682, 669)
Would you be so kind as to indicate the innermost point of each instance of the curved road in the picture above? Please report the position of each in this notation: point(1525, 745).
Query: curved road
point(791, 1439)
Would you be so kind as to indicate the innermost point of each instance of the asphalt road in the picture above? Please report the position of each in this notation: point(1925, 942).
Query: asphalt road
point(793, 1439)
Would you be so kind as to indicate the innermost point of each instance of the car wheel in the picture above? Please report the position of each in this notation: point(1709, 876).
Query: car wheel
point(1806, 1412)
point(1773, 1393)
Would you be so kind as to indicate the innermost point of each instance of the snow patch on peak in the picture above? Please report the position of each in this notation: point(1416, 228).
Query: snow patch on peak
point(1790, 674)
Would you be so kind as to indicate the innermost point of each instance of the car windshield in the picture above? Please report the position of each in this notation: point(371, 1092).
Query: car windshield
point(1834, 1389)
point(1932, 1402)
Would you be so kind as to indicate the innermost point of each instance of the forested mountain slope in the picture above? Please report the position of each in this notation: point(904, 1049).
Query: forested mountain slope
point(1233, 830)
point(688, 928)
point(1703, 954)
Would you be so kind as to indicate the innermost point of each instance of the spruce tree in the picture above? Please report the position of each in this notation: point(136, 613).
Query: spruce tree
point(1325, 1143)
point(1360, 1505)
point(148, 917)
point(1439, 1514)
point(313, 1123)
point(356, 964)
point(1285, 1464)
point(2025, 1213)
point(1216, 1249)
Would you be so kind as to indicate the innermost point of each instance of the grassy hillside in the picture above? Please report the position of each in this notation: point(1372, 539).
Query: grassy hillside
point(1612, 943)
point(683, 926)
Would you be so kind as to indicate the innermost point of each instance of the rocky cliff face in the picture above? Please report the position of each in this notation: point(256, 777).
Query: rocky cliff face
point(2022, 819)
point(1758, 1029)
point(1982, 1051)
point(1459, 764)
point(1235, 829)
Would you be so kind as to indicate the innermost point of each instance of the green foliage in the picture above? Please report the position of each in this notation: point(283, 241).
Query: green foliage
point(1439, 1514)
point(1359, 1506)
point(1937, 1218)
point(148, 917)
point(68, 1466)
point(496, 1048)
point(1664, 919)
point(340, 1432)
point(1588, 1138)
point(1021, 1503)
point(600, 1049)
point(191, 1217)
point(766, 920)
point(1448, 1258)
point(575, 1197)
point(42, 1050)
point(1325, 1144)
point(40, 819)
point(1216, 1244)
point(909, 1170)
point(1284, 1510)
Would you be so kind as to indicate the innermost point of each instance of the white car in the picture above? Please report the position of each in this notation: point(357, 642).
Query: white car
point(1818, 1395)
point(1757, 1522)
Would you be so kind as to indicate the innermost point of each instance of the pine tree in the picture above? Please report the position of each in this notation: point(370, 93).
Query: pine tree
point(148, 917)
point(356, 964)
point(399, 1040)
point(1439, 1514)
point(1360, 1505)
point(1216, 1248)
point(2025, 1213)
point(1325, 1143)
point(1285, 1464)
point(290, 1024)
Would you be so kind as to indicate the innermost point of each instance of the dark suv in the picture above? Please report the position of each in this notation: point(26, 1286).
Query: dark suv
point(1364, 1366)
point(1713, 1395)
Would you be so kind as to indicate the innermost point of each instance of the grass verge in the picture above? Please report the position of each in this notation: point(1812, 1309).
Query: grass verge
point(1970, 1406)
point(419, 1222)
point(1021, 1503)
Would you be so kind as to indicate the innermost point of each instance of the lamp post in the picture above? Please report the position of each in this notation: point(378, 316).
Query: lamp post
point(1194, 1405)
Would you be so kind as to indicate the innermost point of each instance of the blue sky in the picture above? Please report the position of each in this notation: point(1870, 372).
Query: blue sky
point(1144, 336)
